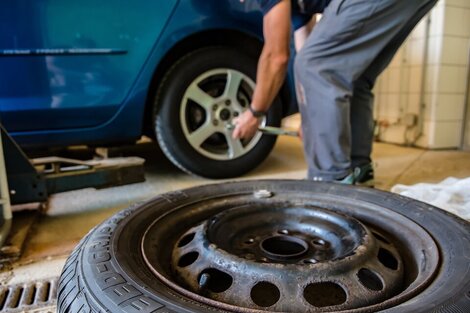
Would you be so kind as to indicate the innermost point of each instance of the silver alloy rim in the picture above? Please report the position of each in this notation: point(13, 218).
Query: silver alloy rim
point(208, 108)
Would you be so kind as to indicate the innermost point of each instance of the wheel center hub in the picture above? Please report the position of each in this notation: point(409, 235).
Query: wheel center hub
point(264, 236)
point(269, 248)
point(225, 114)
point(283, 247)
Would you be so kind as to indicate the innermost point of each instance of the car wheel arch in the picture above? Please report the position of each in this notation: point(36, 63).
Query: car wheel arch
point(192, 42)
point(218, 37)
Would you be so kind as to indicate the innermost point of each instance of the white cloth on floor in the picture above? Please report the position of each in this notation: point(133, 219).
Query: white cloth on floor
point(451, 194)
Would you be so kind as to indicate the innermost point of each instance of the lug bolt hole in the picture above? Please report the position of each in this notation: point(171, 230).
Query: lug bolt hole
point(250, 241)
point(319, 243)
point(310, 261)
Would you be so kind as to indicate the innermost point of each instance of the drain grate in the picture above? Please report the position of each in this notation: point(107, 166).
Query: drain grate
point(29, 296)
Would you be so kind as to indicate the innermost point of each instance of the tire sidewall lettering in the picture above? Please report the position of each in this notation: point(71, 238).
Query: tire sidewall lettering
point(112, 284)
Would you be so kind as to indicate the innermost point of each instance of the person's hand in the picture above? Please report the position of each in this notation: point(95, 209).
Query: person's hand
point(246, 126)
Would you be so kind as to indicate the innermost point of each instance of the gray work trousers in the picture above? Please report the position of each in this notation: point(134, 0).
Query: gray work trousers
point(335, 72)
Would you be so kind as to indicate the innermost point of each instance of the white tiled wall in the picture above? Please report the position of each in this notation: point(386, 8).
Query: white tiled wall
point(399, 89)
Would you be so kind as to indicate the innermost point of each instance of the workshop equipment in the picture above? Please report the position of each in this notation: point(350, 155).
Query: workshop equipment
point(5, 213)
point(34, 180)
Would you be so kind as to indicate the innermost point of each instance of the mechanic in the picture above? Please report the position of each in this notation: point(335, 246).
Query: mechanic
point(335, 72)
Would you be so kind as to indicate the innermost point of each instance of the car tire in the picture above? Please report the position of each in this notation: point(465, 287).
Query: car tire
point(109, 270)
point(192, 126)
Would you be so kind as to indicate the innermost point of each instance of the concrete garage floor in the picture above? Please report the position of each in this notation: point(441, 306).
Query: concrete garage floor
point(71, 215)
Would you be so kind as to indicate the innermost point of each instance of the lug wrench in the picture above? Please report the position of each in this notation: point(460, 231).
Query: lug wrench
point(270, 130)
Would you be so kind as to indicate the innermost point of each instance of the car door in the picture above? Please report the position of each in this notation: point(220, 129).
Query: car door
point(70, 64)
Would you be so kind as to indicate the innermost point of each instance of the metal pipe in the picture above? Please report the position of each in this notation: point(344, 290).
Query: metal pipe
point(424, 74)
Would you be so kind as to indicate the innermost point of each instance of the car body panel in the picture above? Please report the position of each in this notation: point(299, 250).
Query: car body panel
point(83, 56)
point(92, 78)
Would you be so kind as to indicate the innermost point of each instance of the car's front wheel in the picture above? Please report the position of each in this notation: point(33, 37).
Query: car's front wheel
point(194, 111)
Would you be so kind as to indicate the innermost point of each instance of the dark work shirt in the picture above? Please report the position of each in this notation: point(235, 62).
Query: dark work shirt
point(302, 10)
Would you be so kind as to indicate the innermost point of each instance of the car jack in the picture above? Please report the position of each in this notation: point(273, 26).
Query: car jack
point(34, 180)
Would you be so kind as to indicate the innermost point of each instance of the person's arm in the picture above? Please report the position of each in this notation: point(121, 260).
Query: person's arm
point(272, 67)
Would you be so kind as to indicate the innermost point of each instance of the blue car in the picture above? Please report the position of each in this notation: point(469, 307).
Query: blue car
point(108, 72)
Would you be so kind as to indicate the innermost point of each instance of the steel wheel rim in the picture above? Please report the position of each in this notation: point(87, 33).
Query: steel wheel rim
point(417, 237)
point(205, 119)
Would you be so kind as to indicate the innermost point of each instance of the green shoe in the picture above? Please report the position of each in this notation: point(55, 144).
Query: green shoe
point(364, 175)
point(348, 180)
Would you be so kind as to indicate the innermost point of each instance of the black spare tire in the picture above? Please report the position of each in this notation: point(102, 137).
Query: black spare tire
point(274, 245)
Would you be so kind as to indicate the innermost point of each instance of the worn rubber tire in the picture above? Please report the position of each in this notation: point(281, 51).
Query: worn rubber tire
point(106, 271)
point(168, 128)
